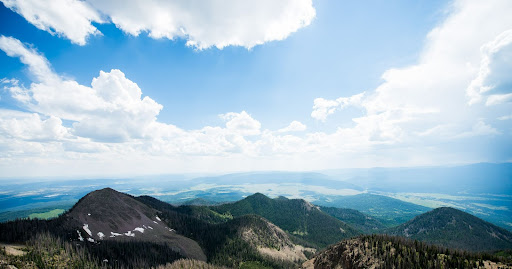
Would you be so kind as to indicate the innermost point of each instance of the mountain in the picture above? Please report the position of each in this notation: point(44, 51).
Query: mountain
point(110, 215)
point(453, 228)
point(109, 229)
point(268, 239)
point(356, 219)
point(232, 240)
point(296, 216)
point(380, 251)
point(389, 210)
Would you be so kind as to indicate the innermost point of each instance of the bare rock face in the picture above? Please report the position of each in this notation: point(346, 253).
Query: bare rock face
point(353, 253)
point(271, 241)
point(110, 215)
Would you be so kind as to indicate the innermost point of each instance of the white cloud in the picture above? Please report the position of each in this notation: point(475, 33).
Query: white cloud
point(30, 126)
point(430, 98)
point(37, 64)
point(419, 115)
point(203, 24)
point(479, 129)
point(507, 117)
point(110, 110)
point(241, 123)
point(70, 18)
point(494, 80)
point(295, 126)
point(323, 107)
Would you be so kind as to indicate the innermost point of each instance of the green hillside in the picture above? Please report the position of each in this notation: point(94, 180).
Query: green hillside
point(295, 216)
point(453, 228)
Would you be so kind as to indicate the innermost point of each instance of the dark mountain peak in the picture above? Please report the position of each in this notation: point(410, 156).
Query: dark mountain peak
point(257, 196)
point(447, 209)
point(107, 214)
point(295, 216)
point(454, 228)
point(107, 189)
point(281, 198)
point(448, 215)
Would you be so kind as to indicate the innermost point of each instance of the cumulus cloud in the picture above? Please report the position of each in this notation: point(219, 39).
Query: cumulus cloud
point(466, 55)
point(494, 81)
point(241, 123)
point(111, 109)
point(479, 129)
point(30, 126)
point(203, 24)
point(418, 115)
point(70, 18)
point(295, 126)
point(324, 107)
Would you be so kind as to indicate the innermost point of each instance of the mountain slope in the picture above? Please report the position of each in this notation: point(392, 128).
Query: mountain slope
point(110, 215)
point(234, 240)
point(453, 228)
point(389, 210)
point(268, 239)
point(356, 219)
point(295, 216)
point(380, 251)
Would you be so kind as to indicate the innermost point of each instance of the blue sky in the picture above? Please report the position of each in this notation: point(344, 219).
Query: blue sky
point(224, 93)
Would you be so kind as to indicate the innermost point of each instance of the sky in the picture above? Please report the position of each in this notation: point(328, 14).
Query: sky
point(120, 88)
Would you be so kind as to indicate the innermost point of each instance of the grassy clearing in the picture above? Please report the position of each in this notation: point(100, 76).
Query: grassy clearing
point(47, 215)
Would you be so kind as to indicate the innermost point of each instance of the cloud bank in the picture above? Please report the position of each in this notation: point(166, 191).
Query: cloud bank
point(457, 94)
point(203, 24)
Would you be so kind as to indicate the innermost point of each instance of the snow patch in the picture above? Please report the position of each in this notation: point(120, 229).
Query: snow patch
point(129, 233)
point(88, 214)
point(86, 229)
point(90, 240)
point(101, 235)
point(155, 222)
point(112, 234)
point(139, 229)
point(80, 236)
point(157, 218)
point(172, 230)
point(150, 227)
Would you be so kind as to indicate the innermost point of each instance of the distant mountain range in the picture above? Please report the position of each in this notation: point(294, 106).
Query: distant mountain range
point(113, 229)
point(392, 195)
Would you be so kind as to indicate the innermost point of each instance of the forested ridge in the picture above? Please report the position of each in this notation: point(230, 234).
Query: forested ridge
point(383, 251)
point(232, 236)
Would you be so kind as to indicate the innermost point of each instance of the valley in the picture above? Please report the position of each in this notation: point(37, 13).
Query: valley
point(108, 228)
